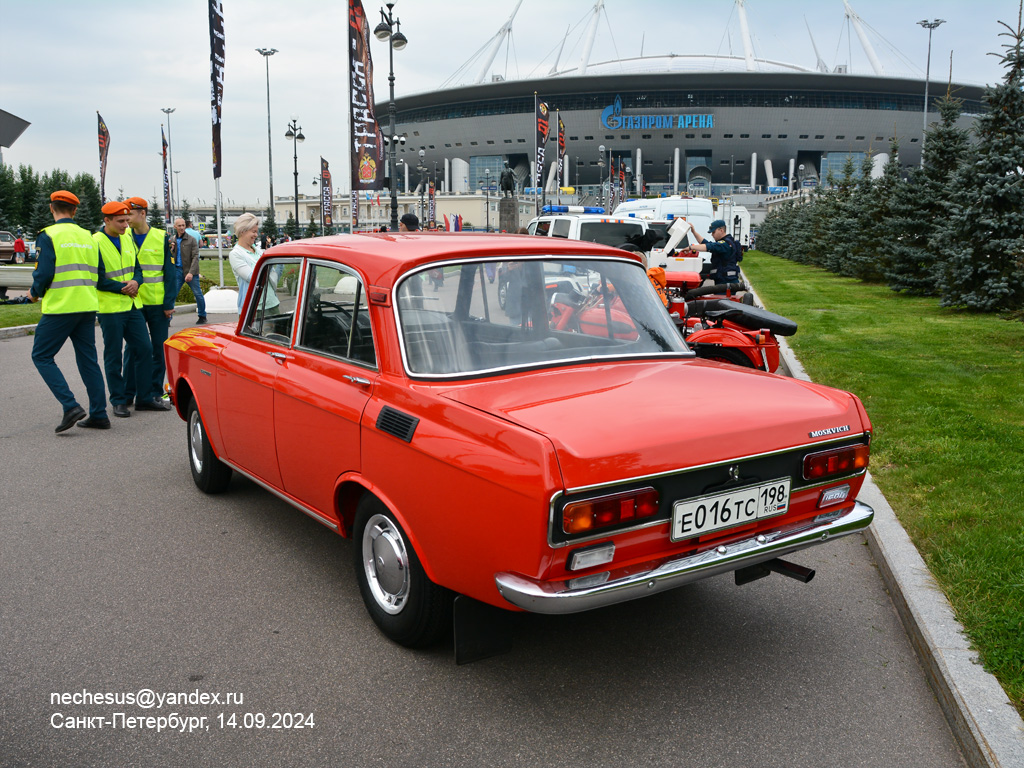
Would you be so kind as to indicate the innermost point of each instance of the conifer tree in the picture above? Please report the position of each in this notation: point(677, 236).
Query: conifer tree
point(919, 205)
point(841, 225)
point(156, 216)
point(983, 235)
point(269, 226)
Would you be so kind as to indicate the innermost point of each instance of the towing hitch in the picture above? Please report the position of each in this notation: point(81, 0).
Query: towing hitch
point(760, 570)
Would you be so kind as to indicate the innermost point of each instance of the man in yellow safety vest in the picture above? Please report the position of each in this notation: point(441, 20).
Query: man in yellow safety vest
point(65, 279)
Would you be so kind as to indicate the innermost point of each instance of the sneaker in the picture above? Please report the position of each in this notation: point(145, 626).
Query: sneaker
point(152, 405)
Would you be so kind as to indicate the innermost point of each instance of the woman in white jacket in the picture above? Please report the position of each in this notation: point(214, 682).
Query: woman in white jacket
point(243, 256)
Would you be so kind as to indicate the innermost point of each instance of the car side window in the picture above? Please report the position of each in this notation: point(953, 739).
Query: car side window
point(272, 315)
point(560, 228)
point(336, 320)
point(542, 227)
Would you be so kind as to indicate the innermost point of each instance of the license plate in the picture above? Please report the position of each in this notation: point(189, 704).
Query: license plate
point(695, 517)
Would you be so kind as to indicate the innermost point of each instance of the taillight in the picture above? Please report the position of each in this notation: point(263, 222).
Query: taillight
point(606, 511)
point(838, 461)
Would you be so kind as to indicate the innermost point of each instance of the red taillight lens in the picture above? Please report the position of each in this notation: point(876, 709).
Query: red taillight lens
point(592, 514)
point(839, 461)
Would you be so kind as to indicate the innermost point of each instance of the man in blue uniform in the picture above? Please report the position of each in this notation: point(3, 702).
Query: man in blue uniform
point(157, 291)
point(65, 279)
point(726, 253)
point(120, 275)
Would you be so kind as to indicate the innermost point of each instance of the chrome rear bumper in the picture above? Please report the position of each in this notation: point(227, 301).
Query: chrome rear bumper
point(574, 595)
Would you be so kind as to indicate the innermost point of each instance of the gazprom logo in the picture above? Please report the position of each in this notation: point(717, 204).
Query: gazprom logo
point(613, 119)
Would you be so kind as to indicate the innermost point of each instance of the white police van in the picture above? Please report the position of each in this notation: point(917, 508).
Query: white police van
point(590, 223)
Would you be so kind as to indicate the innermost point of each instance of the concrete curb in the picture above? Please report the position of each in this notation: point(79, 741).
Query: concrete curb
point(985, 724)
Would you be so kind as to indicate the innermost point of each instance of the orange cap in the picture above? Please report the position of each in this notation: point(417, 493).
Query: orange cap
point(63, 196)
point(137, 202)
point(115, 208)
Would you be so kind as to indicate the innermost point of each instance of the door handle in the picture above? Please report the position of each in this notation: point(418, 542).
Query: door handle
point(357, 380)
point(280, 357)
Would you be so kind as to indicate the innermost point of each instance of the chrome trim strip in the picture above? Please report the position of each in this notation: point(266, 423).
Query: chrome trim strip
point(680, 471)
point(557, 597)
point(283, 497)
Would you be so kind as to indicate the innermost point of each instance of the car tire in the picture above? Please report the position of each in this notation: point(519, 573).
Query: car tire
point(403, 602)
point(209, 473)
point(725, 355)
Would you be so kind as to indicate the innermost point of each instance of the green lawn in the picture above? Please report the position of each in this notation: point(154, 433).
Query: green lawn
point(945, 391)
point(28, 314)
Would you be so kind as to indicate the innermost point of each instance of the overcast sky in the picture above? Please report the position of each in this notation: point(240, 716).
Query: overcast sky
point(64, 60)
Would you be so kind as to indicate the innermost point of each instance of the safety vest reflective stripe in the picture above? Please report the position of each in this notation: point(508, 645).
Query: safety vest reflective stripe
point(91, 268)
point(76, 262)
point(117, 266)
point(153, 278)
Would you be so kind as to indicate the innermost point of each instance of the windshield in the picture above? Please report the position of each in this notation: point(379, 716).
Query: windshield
point(613, 233)
point(472, 317)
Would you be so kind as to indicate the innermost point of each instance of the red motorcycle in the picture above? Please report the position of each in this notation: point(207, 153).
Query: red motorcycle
point(719, 322)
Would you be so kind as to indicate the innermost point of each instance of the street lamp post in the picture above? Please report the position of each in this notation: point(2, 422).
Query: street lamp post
point(295, 134)
point(177, 190)
point(266, 53)
point(170, 158)
point(929, 25)
point(487, 199)
point(600, 173)
point(390, 29)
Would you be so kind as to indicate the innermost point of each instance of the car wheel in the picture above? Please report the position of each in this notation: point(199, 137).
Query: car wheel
point(209, 473)
point(725, 355)
point(502, 293)
point(406, 605)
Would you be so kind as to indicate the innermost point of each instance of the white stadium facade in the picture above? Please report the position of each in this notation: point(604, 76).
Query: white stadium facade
point(689, 124)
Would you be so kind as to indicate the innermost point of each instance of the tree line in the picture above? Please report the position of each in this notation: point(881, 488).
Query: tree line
point(953, 228)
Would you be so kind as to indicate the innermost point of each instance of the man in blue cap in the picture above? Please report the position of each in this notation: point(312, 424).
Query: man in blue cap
point(726, 253)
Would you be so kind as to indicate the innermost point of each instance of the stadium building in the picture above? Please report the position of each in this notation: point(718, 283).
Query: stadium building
point(699, 124)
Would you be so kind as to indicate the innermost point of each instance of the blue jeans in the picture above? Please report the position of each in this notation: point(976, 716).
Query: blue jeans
point(51, 333)
point(127, 328)
point(197, 291)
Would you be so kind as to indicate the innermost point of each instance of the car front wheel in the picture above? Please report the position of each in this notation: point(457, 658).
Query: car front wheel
point(209, 473)
point(403, 602)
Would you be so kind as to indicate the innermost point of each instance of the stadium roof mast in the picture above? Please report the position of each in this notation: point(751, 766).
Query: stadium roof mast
point(748, 45)
point(591, 35)
point(497, 40)
point(820, 65)
point(876, 65)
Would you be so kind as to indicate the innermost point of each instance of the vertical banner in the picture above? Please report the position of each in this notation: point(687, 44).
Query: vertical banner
point(167, 181)
point(431, 210)
point(326, 195)
point(355, 211)
point(543, 127)
point(367, 141)
point(217, 79)
point(622, 181)
point(561, 153)
point(104, 139)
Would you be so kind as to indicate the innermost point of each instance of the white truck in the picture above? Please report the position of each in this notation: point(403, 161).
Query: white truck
point(574, 222)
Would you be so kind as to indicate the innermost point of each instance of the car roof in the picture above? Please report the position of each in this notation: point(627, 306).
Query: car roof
point(382, 257)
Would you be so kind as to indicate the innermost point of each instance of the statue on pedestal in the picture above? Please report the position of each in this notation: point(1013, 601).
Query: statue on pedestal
point(508, 182)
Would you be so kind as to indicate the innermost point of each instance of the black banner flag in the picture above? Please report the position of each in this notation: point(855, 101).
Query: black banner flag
point(217, 79)
point(367, 142)
point(104, 139)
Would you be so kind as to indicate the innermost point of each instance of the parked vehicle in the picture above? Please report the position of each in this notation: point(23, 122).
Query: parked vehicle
point(7, 249)
point(699, 210)
point(573, 222)
point(508, 457)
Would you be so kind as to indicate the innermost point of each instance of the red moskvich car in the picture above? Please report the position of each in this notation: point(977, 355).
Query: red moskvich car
point(374, 382)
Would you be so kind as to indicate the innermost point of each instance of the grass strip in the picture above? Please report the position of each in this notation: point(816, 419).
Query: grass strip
point(945, 392)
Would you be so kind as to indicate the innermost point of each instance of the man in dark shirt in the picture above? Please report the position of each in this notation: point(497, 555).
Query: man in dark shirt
point(185, 250)
point(725, 252)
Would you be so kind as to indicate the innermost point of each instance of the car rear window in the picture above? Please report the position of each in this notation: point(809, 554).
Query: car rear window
point(613, 233)
point(474, 317)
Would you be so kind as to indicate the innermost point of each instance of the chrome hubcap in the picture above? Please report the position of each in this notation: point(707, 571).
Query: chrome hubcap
point(195, 440)
point(386, 562)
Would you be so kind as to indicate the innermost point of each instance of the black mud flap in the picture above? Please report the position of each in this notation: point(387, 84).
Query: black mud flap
point(481, 630)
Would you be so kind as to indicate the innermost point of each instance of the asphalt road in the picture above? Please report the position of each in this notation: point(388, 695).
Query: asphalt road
point(117, 575)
